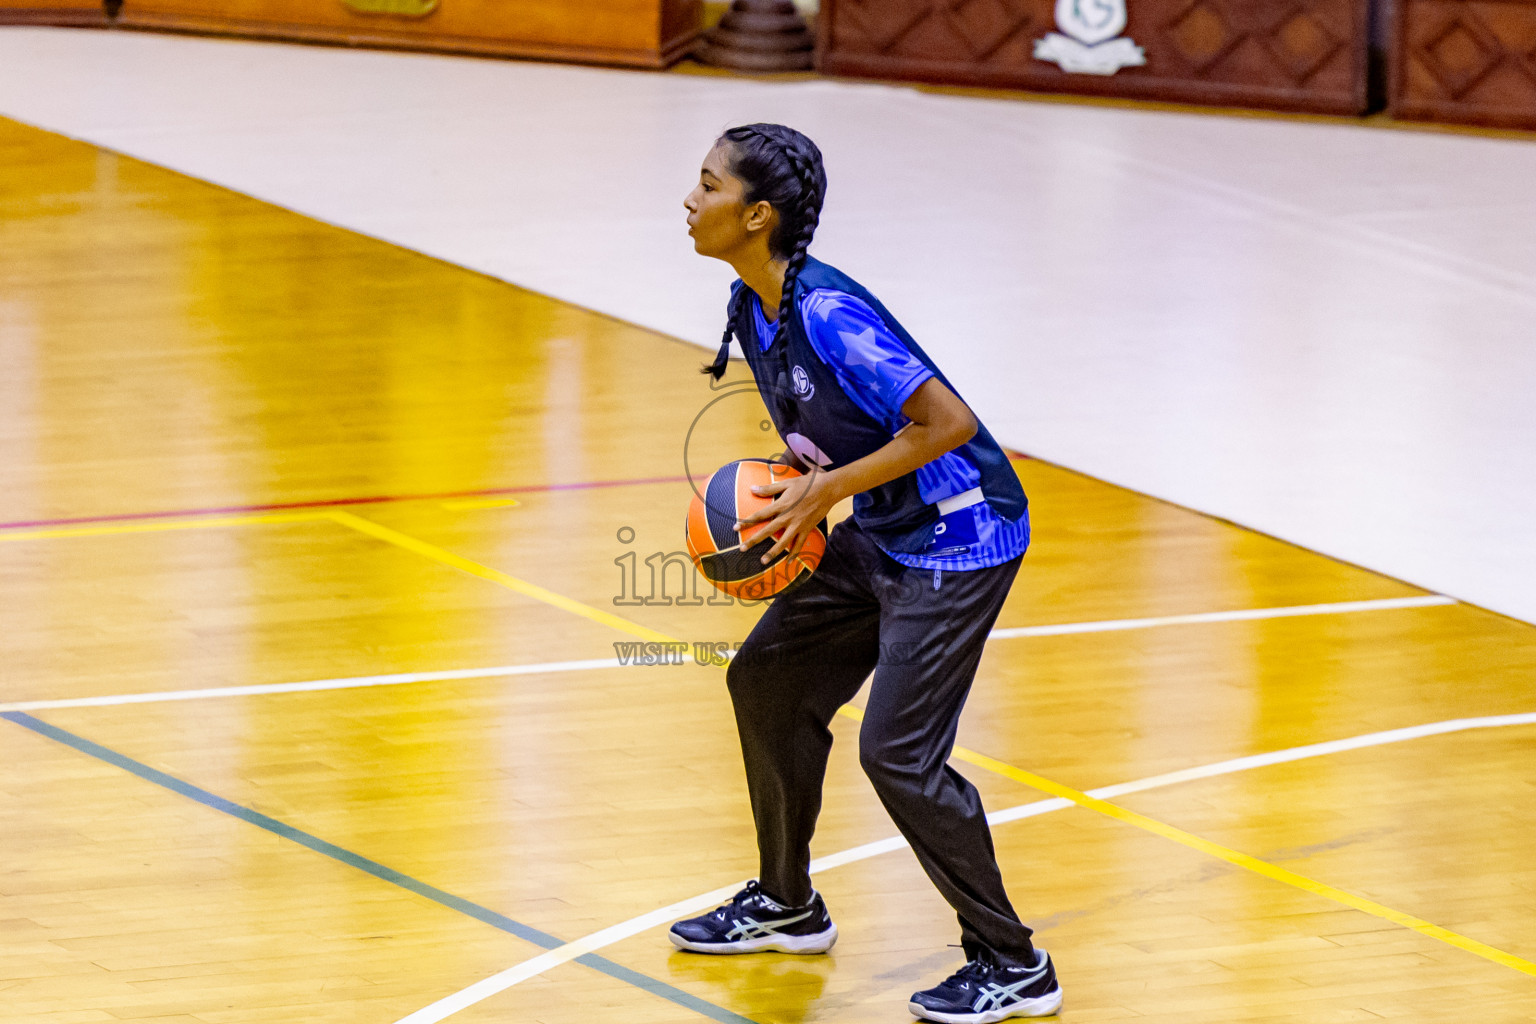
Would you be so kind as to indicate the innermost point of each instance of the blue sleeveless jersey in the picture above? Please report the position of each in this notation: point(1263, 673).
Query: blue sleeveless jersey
point(832, 404)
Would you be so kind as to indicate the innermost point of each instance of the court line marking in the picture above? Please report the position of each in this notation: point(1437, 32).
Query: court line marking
point(387, 874)
point(312, 686)
point(556, 600)
point(376, 499)
point(1336, 608)
point(1250, 863)
point(504, 980)
point(584, 946)
point(520, 586)
point(114, 529)
point(375, 531)
point(520, 972)
point(380, 499)
point(401, 678)
point(477, 504)
point(507, 978)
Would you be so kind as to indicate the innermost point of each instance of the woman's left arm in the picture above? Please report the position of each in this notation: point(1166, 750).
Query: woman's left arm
point(940, 422)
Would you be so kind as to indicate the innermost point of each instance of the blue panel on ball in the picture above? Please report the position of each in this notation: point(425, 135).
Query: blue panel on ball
point(720, 507)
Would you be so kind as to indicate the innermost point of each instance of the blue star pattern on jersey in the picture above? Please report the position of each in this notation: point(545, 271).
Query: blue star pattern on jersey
point(878, 373)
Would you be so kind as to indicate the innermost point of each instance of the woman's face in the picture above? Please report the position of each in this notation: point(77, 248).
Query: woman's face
point(721, 225)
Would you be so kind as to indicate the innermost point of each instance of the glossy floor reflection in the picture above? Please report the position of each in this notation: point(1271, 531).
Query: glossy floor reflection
point(239, 447)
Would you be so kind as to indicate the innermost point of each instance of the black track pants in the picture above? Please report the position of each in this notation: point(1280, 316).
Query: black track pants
point(862, 611)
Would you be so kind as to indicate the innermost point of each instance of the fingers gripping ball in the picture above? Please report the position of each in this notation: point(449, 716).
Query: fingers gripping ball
point(714, 545)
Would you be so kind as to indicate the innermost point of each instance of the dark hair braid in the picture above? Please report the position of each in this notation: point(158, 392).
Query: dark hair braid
point(809, 216)
point(782, 167)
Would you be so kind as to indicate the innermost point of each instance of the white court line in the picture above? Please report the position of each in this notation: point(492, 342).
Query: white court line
point(396, 679)
point(313, 685)
point(1339, 608)
point(563, 954)
point(504, 980)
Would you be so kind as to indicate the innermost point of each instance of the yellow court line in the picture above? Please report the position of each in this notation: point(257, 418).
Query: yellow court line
point(475, 504)
point(1194, 842)
point(512, 583)
point(538, 593)
point(372, 529)
point(1235, 857)
point(163, 526)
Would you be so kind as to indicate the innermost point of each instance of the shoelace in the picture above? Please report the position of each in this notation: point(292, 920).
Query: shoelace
point(975, 970)
point(721, 912)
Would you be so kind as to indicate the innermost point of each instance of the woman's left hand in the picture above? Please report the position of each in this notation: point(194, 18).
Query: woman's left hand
point(799, 504)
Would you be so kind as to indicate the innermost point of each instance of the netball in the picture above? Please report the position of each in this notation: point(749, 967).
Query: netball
point(715, 547)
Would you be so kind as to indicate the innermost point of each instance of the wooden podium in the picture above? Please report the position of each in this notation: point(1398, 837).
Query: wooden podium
point(1470, 63)
point(1294, 55)
point(636, 33)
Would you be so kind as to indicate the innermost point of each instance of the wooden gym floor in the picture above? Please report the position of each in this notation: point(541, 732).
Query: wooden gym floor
point(314, 559)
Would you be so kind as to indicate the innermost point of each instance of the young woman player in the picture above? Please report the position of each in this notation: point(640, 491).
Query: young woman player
point(908, 588)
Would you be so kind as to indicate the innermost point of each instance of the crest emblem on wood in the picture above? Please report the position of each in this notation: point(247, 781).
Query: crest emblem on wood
point(1091, 22)
point(1089, 42)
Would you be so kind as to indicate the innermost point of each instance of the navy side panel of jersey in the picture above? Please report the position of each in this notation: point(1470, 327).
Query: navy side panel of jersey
point(822, 424)
point(878, 374)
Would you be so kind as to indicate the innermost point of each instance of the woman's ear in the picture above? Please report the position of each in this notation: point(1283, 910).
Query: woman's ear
point(760, 215)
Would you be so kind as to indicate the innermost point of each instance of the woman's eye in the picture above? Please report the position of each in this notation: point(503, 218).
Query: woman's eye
point(708, 189)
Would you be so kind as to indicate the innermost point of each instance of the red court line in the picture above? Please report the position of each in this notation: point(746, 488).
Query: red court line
point(379, 499)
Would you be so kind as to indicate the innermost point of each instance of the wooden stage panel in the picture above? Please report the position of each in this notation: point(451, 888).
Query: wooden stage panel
point(166, 345)
point(645, 33)
point(1465, 62)
point(1309, 55)
point(52, 12)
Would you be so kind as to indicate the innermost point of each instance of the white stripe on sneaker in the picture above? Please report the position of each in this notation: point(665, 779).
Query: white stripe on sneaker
point(749, 928)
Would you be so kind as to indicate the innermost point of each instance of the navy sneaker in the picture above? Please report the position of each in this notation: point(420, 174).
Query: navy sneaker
point(984, 992)
point(752, 923)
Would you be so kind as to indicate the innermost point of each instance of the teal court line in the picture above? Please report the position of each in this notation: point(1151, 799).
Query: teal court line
point(447, 899)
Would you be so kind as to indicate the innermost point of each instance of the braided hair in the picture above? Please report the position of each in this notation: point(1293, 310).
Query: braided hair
point(782, 167)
